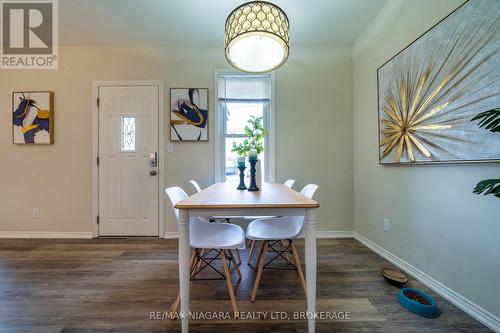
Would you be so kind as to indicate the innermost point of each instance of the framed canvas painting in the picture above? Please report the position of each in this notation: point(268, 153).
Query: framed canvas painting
point(33, 117)
point(434, 95)
point(189, 114)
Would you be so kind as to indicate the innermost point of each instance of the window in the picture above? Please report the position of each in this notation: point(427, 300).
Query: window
point(239, 97)
point(127, 134)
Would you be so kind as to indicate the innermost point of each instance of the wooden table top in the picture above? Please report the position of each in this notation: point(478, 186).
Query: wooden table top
point(225, 195)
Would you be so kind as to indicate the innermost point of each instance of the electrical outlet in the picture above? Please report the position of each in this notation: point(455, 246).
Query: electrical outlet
point(387, 226)
point(170, 147)
point(35, 213)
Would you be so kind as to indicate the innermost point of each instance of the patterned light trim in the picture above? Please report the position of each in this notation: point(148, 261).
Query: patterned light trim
point(257, 17)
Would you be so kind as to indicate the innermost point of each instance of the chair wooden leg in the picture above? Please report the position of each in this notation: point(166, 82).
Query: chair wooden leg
point(229, 283)
point(238, 255)
point(259, 256)
point(250, 253)
point(260, 263)
point(175, 306)
point(230, 253)
point(299, 268)
point(202, 253)
point(196, 262)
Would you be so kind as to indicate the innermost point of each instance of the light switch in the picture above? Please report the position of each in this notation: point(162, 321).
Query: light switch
point(170, 147)
point(387, 226)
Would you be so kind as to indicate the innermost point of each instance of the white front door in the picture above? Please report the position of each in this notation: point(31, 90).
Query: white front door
point(128, 149)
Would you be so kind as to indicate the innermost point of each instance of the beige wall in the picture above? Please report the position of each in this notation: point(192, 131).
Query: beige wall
point(313, 134)
point(314, 130)
point(438, 226)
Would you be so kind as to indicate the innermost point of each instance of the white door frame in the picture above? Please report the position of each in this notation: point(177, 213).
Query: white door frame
point(95, 149)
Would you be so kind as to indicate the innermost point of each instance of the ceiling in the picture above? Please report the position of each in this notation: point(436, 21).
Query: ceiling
point(201, 22)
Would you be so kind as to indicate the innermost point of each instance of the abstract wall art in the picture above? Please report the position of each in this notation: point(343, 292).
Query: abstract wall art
point(189, 114)
point(33, 117)
point(430, 92)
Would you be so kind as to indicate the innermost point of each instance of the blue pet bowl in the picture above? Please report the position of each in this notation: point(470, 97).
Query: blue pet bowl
point(429, 310)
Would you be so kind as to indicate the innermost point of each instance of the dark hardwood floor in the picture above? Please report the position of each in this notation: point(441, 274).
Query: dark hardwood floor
point(113, 285)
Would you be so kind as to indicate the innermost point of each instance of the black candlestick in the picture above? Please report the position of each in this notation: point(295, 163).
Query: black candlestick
point(253, 184)
point(242, 185)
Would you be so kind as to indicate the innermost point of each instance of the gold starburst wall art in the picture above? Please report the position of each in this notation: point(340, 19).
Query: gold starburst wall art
point(430, 91)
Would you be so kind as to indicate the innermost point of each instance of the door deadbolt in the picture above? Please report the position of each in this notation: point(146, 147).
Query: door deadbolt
point(153, 160)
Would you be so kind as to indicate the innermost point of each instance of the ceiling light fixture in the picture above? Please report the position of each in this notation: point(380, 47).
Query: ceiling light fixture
point(257, 38)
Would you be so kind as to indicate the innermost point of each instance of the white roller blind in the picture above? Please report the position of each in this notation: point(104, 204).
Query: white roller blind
point(244, 87)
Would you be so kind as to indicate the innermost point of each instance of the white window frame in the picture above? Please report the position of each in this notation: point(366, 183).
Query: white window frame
point(220, 123)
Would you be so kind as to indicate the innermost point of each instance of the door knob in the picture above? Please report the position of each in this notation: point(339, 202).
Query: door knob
point(152, 173)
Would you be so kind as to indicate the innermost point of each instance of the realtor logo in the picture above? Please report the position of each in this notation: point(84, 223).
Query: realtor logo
point(29, 34)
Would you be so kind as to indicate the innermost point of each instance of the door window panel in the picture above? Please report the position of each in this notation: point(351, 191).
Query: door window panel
point(127, 134)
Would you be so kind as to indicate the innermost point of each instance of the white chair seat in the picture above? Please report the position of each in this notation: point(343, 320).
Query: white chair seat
point(275, 228)
point(215, 235)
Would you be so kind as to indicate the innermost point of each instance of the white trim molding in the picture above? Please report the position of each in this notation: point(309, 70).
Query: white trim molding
point(171, 235)
point(331, 234)
point(334, 234)
point(46, 234)
point(319, 234)
point(463, 303)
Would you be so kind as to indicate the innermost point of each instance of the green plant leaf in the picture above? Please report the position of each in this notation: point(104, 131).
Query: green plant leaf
point(489, 120)
point(255, 133)
point(488, 186)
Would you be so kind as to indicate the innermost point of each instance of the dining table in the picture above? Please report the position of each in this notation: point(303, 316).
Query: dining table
point(223, 199)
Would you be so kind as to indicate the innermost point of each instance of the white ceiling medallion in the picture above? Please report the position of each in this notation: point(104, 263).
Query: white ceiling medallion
point(257, 38)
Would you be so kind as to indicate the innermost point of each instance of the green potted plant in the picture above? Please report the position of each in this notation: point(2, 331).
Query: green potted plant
point(251, 146)
point(489, 120)
point(255, 132)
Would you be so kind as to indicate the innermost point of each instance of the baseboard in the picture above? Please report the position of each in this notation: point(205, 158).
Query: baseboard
point(332, 234)
point(45, 234)
point(320, 234)
point(171, 235)
point(469, 307)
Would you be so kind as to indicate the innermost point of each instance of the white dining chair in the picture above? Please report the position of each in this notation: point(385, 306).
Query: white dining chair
point(214, 218)
point(198, 189)
point(221, 237)
point(196, 186)
point(273, 232)
point(289, 183)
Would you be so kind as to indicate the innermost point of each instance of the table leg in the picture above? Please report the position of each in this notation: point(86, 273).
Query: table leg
point(310, 245)
point(184, 247)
